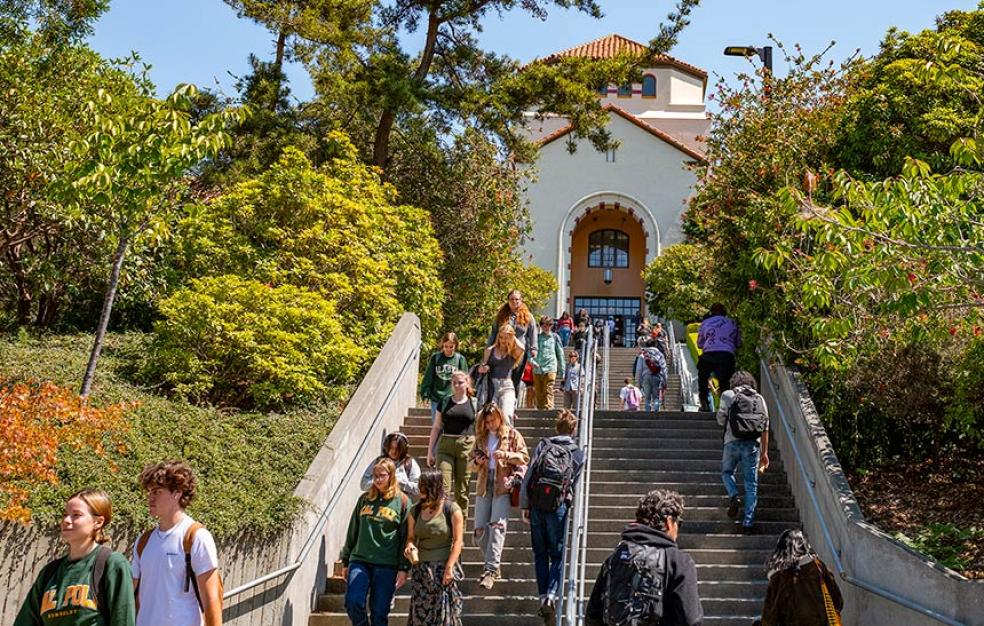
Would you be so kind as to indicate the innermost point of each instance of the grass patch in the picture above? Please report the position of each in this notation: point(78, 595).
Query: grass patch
point(248, 463)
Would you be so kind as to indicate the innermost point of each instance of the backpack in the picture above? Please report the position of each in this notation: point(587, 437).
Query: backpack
point(552, 475)
point(98, 569)
point(633, 398)
point(652, 363)
point(634, 585)
point(191, 579)
point(746, 415)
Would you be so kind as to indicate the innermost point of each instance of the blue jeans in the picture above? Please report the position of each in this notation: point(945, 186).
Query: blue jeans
point(746, 454)
point(651, 386)
point(565, 335)
point(434, 405)
point(548, 530)
point(375, 582)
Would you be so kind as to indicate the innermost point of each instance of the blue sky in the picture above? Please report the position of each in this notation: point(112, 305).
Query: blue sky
point(203, 42)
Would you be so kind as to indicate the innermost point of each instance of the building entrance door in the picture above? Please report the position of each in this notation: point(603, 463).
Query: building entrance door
point(626, 313)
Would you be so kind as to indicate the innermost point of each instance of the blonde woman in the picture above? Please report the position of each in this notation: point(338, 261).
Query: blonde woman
point(500, 459)
point(500, 361)
point(452, 438)
point(515, 313)
point(91, 585)
point(374, 563)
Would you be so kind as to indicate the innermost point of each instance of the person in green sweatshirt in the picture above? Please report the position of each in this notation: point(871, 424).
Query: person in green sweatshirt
point(436, 385)
point(373, 560)
point(91, 585)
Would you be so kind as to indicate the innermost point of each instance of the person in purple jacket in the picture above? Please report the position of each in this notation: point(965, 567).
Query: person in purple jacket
point(719, 339)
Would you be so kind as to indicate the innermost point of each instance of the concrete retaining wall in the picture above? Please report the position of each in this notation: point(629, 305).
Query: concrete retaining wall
point(289, 599)
point(867, 554)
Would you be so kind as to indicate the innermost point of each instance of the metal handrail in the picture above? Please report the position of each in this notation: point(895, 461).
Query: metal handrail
point(838, 564)
point(577, 522)
point(580, 603)
point(336, 496)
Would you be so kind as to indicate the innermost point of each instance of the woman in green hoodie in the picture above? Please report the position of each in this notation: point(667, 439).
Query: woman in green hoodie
point(436, 385)
point(374, 565)
point(91, 585)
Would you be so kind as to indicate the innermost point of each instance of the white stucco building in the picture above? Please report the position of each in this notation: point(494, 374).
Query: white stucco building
point(598, 217)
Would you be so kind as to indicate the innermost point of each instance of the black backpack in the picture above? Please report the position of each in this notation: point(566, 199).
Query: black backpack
point(447, 514)
point(746, 415)
point(635, 583)
point(552, 475)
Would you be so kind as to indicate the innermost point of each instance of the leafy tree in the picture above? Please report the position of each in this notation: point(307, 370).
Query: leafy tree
point(335, 230)
point(48, 256)
point(237, 342)
point(677, 283)
point(37, 422)
point(127, 172)
point(58, 21)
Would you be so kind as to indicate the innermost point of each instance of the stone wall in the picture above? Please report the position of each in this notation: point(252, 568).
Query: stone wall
point(288, 599)
point(869, 557)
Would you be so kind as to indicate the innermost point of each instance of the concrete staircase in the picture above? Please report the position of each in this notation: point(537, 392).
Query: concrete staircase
point(633, 453)
point(620, 362)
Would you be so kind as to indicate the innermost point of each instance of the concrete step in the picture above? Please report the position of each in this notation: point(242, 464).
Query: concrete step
point(522, 552)
point(696, 532)
point(468, 618)
point(657, 477)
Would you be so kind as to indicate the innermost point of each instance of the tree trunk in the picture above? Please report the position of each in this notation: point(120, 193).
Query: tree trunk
point(107, 309)
point(47, 309)
point(281, 44)
point(24, 298)
point(380, 147)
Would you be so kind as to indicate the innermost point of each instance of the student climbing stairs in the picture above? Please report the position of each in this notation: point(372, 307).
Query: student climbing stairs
point(632, 454)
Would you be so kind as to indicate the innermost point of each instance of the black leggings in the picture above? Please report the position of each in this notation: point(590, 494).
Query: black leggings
point(720, 363)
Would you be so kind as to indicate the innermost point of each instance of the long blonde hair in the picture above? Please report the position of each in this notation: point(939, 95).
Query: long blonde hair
point(392, 487)
point(481, 430)
point(505, 342)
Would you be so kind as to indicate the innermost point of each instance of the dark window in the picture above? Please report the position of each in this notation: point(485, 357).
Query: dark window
point(624, 311)
point(649, 85)
point(608, 248)
point(625, 90)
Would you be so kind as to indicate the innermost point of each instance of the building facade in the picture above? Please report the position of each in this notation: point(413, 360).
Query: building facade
point(600, 217)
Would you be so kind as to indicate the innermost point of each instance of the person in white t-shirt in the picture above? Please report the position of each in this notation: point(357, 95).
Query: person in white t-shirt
point(166, 594)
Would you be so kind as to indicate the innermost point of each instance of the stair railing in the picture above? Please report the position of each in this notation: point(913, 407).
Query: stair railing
point(605, 338)
point(354, 469)
point(809, 483)
point(570, 603)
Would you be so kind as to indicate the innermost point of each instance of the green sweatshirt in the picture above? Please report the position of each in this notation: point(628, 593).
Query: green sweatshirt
point(377, 532)
point(62, 594)
point(437, 377)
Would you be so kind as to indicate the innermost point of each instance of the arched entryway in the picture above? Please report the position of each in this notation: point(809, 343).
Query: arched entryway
point(608, 250)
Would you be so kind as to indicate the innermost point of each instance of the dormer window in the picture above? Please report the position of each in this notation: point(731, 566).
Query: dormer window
point(648, 86)
point(625, 91)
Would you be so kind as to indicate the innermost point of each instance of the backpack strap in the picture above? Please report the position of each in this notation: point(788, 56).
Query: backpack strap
point(190, 578)
point(98, 569)
point(142, 541)
point(448, 513)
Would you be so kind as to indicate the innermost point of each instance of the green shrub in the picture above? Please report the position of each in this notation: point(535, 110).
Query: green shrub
point(248, 463)
point(947, 543)
point(238, 342)
point(677, 283)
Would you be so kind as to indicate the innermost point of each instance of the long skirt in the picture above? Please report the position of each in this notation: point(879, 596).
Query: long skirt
point(431, 602)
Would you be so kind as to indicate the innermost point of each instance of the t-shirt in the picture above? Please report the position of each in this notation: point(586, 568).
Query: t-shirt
point(63, 595)
point(458, 418)
point(433, 535)
point(630, 396)
point(491, 445)
point(500, 367)
point(161, 570)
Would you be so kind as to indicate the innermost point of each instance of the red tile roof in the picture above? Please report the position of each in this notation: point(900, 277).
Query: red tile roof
point(613, 45)
point(689, 150)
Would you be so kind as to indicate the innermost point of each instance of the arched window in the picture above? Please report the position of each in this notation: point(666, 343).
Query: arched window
point(648, 86)
point(608, 248)
point(624, 91)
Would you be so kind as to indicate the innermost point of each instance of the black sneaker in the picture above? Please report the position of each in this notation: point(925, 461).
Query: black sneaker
point(746, 530)
point(547, 611)
point(733, 507)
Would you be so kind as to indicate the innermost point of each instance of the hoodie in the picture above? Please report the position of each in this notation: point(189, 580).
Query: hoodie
point(681, 601)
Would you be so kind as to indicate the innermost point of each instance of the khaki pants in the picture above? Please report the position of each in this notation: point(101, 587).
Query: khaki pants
point(544, 386)
point(452, 460)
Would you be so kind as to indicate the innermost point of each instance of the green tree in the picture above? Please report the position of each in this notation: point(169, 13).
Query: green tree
point(126, 174)
point(336, 230)
point(56, 20)
point(677, 283)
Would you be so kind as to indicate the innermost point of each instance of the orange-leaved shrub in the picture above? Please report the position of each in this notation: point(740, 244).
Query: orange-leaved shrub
point(39, 420)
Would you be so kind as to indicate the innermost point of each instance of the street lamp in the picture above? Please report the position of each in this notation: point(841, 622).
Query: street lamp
point(608, 276)
point(764, 53)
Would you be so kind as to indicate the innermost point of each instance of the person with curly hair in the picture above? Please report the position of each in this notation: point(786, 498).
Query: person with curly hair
point(162, 586)
point(92, 584)
point(650, 540)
